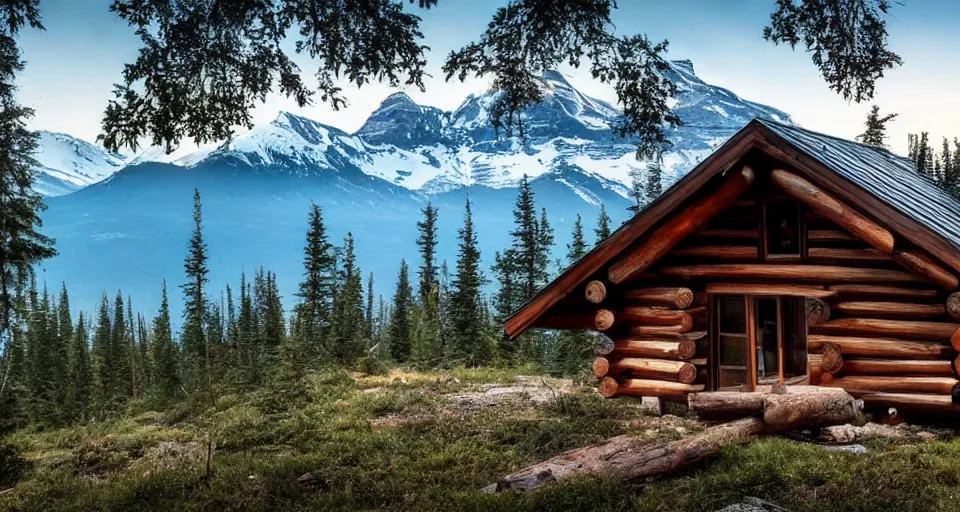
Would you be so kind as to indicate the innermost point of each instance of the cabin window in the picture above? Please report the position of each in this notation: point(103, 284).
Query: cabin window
point(760, 341)
point(782, 228)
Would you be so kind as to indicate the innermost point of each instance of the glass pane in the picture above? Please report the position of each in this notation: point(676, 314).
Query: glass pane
point(733, 315)
point(732, 378)
point(794, 341)
point(783, 227)
point(767, 339)
point(733, 350)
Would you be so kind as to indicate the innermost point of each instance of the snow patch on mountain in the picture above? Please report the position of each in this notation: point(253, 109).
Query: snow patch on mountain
point(66, 163)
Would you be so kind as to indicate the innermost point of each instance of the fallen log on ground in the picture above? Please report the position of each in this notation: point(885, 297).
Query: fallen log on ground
point(632, 457)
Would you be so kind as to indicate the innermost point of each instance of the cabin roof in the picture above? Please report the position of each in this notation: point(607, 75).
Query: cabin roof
point(922, 212)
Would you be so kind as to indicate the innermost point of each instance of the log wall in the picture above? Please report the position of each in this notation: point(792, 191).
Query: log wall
point(882, 317)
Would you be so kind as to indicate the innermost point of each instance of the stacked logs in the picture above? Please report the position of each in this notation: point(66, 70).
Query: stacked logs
point(654, 350)
point(891, 347)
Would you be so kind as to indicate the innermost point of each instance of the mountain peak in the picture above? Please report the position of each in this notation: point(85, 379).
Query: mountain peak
point(684, 65)
point(552, 75)
point(402, 122)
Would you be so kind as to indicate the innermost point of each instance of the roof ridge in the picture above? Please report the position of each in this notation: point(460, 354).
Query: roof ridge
point(834, 137)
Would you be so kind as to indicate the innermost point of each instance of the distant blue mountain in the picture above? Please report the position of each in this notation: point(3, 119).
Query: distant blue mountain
point(130, 230)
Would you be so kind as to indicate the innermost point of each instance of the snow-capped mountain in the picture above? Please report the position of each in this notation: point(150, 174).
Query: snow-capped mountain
point(67, 164)
point(129, 231)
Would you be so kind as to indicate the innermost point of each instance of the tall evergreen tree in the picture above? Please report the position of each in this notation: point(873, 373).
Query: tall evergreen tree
point(636, 191)
point(427, 245)
point(876, 128)
point(105, 363)
point(316, 290)
point(602, 231)
point(80, 375)
point(348, 331)
point(42, 407)
point(947, 167)
point(401, 317)
point(195, 350)
point(544, 247)
point(654, 179)
point(120, 344)
point(368, 321)
point(924, 156)
point(163, 354)
point(468, 345)
point(525, 245)
point(577, 247)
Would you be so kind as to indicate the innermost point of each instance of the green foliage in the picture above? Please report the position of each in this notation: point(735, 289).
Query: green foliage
point(602, 231)
point(847, 40)
point(876, 131)
point(165, 373)
point(468, 344)
point(400, 330)
point(318, 284)
point(196, 362)
point(654, 186)
point(80, 375)
point(12, 466)
point(347, 329)
point(577, 247)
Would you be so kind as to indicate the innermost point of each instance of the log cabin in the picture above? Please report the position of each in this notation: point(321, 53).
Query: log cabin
point(785, 257)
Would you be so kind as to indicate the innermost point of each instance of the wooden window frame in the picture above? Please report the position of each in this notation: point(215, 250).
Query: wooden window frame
point(801, 227)
point(750, 313)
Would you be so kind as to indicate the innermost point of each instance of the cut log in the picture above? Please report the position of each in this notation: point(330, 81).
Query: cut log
point(600, 366)
point(817, 311)
point(736, 234)
point(837, 254)
point(595, 291)
point(953, 305)
point(680, 298)
point(646, 387)
point(939, 404)
point(791, 272)
point(680, 226)
point(814, 373)
point(724, 406)
point(676, 371)
point(790, 290)
point(832, 360)
point(939, 331)
point(603, 344)
point(889, 292)
point(922, 264)
point(632, 457)
point(718, 252)
point(658, 330)
point(890, 309)
point(680, 350)
point(898, 384)
point(656, 316)
point(825, 204)
point(899, 367)
point(600, 320)
point(880, 347)
point(955, 394)
point(827, 235)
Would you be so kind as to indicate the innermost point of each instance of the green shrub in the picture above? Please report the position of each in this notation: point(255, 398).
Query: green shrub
point(12, 466)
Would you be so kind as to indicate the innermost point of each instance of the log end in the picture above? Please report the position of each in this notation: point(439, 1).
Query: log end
point(686, 322)
point(953, 305)
point(687, 374)
point(955, 340)
point(595, 291)
point(608, 387)
point(601, 366)
point(603, 345)
point(818, 311)
point(604, 319)
point(832, 360)
point(684, 298)
point(686, 349)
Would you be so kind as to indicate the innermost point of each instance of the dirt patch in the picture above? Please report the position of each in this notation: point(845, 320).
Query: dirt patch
point(170, 455)
point(535, 390)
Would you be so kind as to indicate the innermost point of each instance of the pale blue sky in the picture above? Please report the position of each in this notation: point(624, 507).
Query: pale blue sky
point(71, 67)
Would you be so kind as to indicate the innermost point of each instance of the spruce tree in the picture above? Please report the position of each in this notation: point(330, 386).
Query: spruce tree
point(317, 288)
point(544, 247)
point(876, 128)
point(196, 356)
point(401, 317)
point(654, 179)
point(368, 321)
point(636, 192)
point(120, 343)
point(41, 404)
point(577, 247)
point(468, 344)
point(163, 355)
point(427, 245)
point(602, 231)
point(924, 156)
point(104, 363)
point(80, 375)
point(348, 342)
point(947, 168)
point(526, 244)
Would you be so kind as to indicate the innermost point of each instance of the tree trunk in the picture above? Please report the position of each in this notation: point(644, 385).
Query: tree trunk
point(632, 457)
point(791, 272)
point(725, 406)
point(817, 311)
point(829, 207)
point(879, 347)
point(679, 226)
point(920, 263)
point(680, 298)
point(891, 309)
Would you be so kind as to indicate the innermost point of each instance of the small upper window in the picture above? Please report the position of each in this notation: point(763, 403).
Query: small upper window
point(782, 225)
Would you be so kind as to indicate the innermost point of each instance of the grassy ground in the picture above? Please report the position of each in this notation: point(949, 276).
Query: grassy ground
point(430, 441)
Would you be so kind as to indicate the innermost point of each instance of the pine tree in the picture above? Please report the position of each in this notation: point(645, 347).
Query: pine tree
point(316, 291)
point(468, 345)
point(80, 375)
point(104, 363)
point(636, 191)
point(401, 321)
point(60, 366)
point(41, 403)
point(163, 355)
point(248, 337)
point(120, 344)
point(427, 244)
point(876, 132)
point(544, 247)
point(196, 355)
point(924, 157)
point(654, 178)
point(525, 243)
point(948, 168)
point(577, 247)
point(347, 338)
point(368, 321)
point(602, 231)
